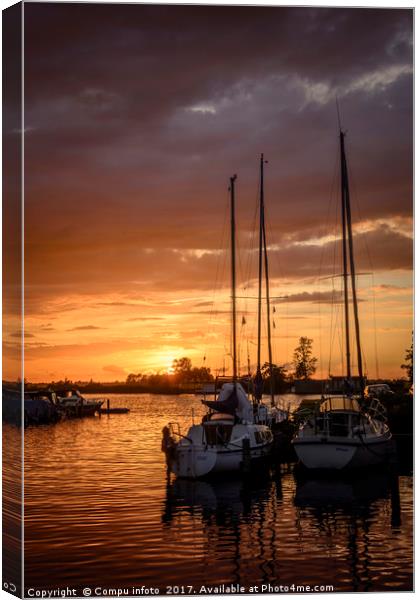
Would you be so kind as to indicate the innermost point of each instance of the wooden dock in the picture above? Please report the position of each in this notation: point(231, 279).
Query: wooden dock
point(113, 411)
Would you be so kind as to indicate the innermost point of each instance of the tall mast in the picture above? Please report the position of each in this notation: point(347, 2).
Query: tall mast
point(267, 293)
point(263, 249)
point(351, 256)
point(233, 271)
point(344, 191)
point(260, 262)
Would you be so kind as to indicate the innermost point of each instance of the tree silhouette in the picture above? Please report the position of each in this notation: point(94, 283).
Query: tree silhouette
point(304, 362)
point(408, 366)
point(133, 378)
point(279, 376)
point(181, 366)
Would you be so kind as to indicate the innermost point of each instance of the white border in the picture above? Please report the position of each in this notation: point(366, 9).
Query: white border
point(360, 4)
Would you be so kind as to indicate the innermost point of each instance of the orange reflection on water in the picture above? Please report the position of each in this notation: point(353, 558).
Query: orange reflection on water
point(100, 511)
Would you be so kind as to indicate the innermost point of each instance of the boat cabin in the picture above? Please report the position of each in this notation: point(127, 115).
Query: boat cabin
point(341, 417)
point(339, 403)
point(218, 428)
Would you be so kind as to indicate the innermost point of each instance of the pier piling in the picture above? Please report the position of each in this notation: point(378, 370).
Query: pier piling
point(246, 455)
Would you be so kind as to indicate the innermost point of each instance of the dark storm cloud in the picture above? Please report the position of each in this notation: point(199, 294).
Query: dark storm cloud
point(99, 73)
point(169, 56)
point(137, 115)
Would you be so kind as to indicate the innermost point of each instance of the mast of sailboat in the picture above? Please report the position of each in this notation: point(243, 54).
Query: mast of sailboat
point(270, 352)
point(348, 232)
point(267, 280)
point(233, 273)
point(260, 266)
point(344, 252)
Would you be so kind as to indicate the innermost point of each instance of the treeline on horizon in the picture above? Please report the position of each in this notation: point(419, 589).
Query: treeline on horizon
point(183, 376)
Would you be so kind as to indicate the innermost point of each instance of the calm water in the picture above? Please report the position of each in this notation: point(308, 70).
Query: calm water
point(100, 511)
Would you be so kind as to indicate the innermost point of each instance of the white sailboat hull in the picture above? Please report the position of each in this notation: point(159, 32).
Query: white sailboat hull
point(317, 455)
point(194, 462)
point(199, 453)
point(337, 455)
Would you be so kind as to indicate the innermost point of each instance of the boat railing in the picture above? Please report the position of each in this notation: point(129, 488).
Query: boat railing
point(376, 410)
point(175, 431)
point(261, 415)
point(334, 424)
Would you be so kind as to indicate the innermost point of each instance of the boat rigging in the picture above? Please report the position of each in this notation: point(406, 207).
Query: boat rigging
point(230, 437)
point(345, 432)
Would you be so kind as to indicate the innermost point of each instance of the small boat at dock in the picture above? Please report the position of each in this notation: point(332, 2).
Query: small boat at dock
point(74, 404)
point(38, 409)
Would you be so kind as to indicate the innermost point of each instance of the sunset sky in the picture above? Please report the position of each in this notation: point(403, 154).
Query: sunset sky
point(135, 118)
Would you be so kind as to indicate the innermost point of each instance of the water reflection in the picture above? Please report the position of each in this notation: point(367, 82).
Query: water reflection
point(222, 500)
point(99, 510)
point(346, 509)
point(252, 531)
point(341, 492)
point(237, 517)
point(12, 507)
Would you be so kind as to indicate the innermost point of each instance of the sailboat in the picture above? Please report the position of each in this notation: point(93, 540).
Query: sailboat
point(345, 431)
point(229, 438)
point(271, 415)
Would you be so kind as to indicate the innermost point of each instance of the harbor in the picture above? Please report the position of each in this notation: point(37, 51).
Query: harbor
point(279, 529)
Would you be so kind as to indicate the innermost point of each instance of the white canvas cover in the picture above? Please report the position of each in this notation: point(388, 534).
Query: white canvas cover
point(244, 409)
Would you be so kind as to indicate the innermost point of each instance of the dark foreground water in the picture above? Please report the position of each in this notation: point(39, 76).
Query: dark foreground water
point(100, 513)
